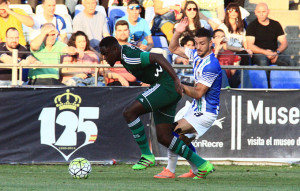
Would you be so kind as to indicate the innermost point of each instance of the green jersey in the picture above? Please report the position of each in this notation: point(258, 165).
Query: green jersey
point(138, 64)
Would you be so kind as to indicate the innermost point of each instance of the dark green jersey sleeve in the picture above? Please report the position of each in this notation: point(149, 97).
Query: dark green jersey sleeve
point(145, 60)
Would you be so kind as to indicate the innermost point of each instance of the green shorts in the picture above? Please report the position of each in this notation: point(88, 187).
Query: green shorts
point(161, 99)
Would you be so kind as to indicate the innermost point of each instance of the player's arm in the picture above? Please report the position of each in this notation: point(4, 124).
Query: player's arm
point(195, 92)
point(160, 59)
point(174, 45)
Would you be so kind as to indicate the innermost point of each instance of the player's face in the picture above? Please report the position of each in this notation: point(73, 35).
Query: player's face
point(89, 6)
point(202, 46)
point(133, 11)
point(49, 7)
point(190, 44)
point(80, 43)
point(261, 13)
point(122, 33)
point(12, 39)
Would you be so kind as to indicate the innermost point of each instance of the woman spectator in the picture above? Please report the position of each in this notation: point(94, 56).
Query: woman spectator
point(167, 12)
point(191, 11)
point(212, 9)
point(83, 76)
point(235, 33)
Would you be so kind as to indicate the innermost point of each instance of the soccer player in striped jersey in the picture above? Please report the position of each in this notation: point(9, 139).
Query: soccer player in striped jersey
point(206, 92)
point(161, 98)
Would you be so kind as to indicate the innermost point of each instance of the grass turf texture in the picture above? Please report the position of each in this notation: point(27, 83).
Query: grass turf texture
point(122, 177)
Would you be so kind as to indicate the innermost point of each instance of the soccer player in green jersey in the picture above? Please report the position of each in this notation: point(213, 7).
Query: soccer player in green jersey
point(161, 98)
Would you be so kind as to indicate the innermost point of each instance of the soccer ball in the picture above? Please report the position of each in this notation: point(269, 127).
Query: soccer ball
point(80, 168)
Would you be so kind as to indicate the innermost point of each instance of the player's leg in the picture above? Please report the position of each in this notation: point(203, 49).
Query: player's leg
point(131, 114)
point(169, 171)
point(199, 123)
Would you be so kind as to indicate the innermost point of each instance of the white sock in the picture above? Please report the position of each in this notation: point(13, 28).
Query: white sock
point(172, 160)
point(194, 167)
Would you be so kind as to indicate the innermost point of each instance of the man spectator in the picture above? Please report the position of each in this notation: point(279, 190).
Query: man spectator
point(262, 37)
point(24, 56)
point(47, 49)
point(122, 35)
point(92, 23)
point(140, 33)
point(13, 18)
point(48, 16)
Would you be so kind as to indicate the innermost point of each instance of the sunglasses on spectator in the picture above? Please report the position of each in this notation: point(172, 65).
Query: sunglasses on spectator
point(132, 7)
point(190, 9)
point(231, 10)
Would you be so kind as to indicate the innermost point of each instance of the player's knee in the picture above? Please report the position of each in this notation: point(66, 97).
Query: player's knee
point(164, 139)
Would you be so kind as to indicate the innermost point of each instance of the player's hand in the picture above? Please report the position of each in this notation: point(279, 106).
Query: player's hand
point(181, 27)
point(178, 86)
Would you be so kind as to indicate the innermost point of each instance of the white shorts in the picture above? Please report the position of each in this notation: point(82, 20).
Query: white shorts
point(200, 121)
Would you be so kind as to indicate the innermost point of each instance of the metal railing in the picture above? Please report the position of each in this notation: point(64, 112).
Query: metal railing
point(15, 67)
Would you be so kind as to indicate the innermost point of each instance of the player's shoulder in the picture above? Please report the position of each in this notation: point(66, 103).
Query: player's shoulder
point(212, 64)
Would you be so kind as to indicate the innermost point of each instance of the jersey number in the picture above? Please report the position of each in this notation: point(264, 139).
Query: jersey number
point(158, 70)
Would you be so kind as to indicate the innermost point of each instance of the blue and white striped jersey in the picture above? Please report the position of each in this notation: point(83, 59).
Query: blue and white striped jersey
point(208, 72)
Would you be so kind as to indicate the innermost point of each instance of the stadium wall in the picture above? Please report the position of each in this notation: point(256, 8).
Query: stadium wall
point(49, 125)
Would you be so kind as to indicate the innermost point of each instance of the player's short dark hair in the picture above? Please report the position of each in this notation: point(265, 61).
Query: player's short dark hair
point(186, 39)
point(215, 31)
point(202, 32)
point(133, 2)
point(121, 22)
point(107, 43)
point(10, 28)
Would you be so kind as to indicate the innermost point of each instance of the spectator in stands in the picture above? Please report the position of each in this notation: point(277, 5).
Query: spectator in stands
point(262, 37)
point(239, 2)
point(92, 23)
point(140, 34)
point(167, 12)
point(226, 57)
point(47, 49)
point(191, 11)
point(79, 76)
point(122, 35)
point(212, 9)
point(13, 18)
point(185, 75)
point(48, 16)
point(235, 33)
point(24, 56)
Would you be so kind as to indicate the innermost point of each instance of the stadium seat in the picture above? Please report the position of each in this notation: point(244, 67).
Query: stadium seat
point(258, 78)
point(60, 9)
point(160, 45)
point(99, 8)
point(149, 15)
point(26, 7)
point(285, 79)
point(114, 13)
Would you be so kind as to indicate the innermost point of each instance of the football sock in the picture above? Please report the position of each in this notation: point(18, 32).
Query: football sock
point(172, 160)
point(193, 167)
point(179, 147)
point(138, 131)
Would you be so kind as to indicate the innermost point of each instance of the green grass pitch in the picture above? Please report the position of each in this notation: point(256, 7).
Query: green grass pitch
point(123, 178)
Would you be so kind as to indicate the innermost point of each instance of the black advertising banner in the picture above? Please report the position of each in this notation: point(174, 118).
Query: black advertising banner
point(41, 125)
point(59, 124)
point(252, 126)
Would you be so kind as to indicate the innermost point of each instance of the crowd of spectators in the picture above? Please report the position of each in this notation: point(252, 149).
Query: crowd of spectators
point(234, 42)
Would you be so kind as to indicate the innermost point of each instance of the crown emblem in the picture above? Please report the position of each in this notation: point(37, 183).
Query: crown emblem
point(67, 101)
